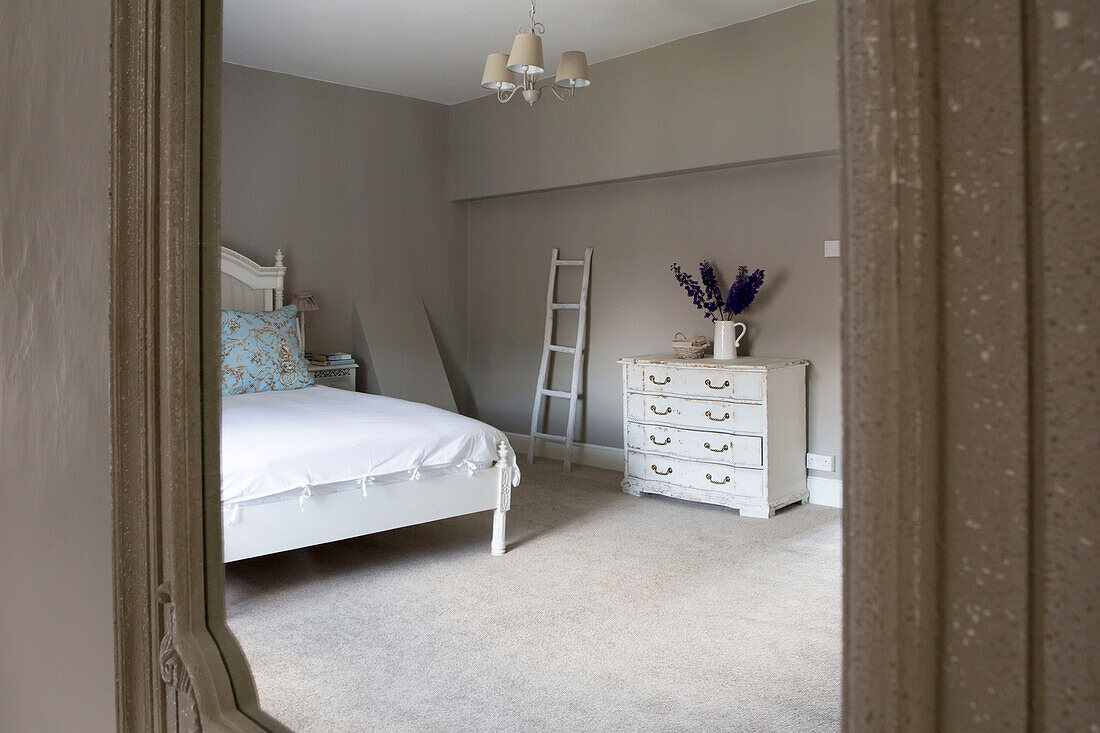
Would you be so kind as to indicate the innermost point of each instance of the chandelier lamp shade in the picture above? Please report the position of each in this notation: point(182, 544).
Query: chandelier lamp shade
point(526, 56)
point(522, 69)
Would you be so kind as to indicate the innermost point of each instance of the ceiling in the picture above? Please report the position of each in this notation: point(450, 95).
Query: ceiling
point(436, 50)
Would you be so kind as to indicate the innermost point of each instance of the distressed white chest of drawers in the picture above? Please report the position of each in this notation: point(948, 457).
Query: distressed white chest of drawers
point(729, 432)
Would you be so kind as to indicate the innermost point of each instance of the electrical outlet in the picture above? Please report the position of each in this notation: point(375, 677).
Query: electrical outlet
point(832, 248)
point(820, 462)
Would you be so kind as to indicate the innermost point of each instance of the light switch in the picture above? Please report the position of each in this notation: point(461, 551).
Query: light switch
point(832, 248)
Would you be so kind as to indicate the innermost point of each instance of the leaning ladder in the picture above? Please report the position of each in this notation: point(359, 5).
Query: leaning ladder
point(542, 390)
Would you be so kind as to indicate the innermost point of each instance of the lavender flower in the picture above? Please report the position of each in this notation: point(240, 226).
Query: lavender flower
point(687, 282)
point(709, 296)
point(710, 287)
point(744, 290)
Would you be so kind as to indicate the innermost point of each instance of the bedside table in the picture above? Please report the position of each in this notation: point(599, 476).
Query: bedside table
point(341, 377)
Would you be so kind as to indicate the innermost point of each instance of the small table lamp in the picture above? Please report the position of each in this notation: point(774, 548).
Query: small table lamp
point(304, 301)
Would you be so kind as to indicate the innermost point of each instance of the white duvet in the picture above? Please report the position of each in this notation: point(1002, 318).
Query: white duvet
point(293, 440)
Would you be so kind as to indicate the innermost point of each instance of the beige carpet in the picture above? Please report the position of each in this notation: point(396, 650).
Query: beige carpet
point(609, 613)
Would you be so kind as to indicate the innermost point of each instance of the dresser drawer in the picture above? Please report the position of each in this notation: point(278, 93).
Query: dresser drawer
point(700, 445)
point(722, 384)
point(721, 417)
point(696, 474)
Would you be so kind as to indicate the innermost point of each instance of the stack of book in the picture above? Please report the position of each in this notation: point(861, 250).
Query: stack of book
point(334, 358)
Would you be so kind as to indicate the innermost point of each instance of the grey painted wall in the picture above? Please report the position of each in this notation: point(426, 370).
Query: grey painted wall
point(772, 215)
point(722, 100)
point(56, 600)
point(350, 184)
point(753, 91)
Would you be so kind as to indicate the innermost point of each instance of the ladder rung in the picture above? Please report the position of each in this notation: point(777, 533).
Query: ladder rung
point(569, 263)
point(563, 349)
point(565, 306)
point(547, 436)
point(557, 393)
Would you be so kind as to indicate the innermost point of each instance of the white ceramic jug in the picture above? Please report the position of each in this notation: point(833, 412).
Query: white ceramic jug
point(725, 344)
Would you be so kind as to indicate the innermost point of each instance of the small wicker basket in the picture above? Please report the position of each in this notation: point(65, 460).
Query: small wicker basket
point(689, 349)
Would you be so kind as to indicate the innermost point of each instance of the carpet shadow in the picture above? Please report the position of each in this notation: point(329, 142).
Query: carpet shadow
point(559, 500)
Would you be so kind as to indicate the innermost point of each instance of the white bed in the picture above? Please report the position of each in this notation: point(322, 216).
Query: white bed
point(308, 466)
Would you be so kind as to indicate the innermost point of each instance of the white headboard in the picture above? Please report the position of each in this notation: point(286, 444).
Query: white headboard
point(247, 286)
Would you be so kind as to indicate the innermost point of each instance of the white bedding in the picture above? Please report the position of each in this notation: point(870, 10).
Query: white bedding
point(293, 440)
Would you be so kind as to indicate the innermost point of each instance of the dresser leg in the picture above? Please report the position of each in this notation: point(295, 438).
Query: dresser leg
point(630, 488)
point(758, 512)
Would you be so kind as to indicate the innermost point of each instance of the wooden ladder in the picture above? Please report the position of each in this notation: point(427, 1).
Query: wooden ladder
point(542, 390)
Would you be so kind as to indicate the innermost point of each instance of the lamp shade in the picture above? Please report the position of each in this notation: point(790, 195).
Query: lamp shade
point(304, 301)
point(526, 56)
point(573, 70)
point(496, 74)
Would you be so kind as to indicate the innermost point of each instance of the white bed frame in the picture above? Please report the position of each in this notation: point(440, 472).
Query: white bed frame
point(288, 524)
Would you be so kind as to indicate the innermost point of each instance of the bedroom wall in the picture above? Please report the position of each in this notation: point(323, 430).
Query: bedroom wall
point(773, 216)
point(57, 668)
point(700, 115)
point(351, 185)
point(752, 91)
point(729, 151)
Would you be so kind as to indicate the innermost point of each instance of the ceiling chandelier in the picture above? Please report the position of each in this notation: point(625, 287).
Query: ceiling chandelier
point(526, 60)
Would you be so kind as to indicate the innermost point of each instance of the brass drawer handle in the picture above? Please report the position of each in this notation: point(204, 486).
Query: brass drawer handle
point(721, 386)
point(653, 409)
point(716, 419)
point(723, 449)
point(654, 467)
point(718, 483)
point(667, 380)
point(654, 441)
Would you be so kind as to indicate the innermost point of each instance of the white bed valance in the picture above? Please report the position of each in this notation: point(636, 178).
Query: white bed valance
point(287, 441)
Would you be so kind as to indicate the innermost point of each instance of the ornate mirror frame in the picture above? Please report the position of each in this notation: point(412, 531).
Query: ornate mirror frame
point(938, 131)
point(178, 666)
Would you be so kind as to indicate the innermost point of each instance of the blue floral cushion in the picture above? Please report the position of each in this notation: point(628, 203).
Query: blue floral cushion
point(260, 352)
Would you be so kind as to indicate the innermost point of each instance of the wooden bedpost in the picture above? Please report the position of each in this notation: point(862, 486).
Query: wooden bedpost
point(504, 500)
point(279, 285)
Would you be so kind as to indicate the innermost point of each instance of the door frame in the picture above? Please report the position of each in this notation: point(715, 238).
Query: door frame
point(915, 377)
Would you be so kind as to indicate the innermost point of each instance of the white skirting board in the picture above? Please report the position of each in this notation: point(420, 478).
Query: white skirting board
point(824, 491)
point(598, 456)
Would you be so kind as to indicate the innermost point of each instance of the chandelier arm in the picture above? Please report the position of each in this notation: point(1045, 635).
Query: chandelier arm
point(566, 96)
point(504, 97)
